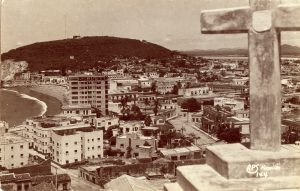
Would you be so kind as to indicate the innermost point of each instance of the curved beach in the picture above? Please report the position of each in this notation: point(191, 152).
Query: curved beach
point(40, 100)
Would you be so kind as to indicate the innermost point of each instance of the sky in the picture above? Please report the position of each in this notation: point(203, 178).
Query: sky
point(174, 24)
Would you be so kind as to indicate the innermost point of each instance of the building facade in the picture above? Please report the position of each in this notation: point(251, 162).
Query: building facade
point(14, 151)
point(195, 91)
point(89, 90)
point(71, 145)
point(134, 141)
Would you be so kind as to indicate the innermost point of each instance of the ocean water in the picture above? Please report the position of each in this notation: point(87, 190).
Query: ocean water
point(20, 103)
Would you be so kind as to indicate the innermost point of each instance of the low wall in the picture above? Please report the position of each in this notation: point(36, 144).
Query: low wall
point(103, 175)
point(43, 168)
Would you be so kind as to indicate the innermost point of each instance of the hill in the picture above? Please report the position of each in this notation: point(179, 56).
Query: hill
point(286, 50)
point(86, 52)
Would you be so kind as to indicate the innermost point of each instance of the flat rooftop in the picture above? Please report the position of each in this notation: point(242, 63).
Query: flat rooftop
point(51, 119)
point(181, 150)
point(76, 107)
point(10, 138)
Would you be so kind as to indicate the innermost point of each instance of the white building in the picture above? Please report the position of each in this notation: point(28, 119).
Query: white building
point(134, 140)
point(38, 131)
point(14, 151)
point(85, 111)
point(131, 126)
point(60, 80)
point(89, 90)
point(195, 91)
point(233, 104)
point(183, 153)
point(64, 139)
point(240, 81)
point(230, 65)
point(105, 122)
point(152, 74)
point(73, 144)
point(144, 82)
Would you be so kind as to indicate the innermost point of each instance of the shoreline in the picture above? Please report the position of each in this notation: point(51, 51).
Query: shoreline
point(54, 91)
point(48, 96)
point(26, 96)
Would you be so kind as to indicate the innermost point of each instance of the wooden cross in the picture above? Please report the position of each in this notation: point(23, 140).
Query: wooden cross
point(263, 21)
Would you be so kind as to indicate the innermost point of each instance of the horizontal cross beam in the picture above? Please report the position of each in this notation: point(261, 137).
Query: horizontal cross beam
point(288, 17)
point(225, 20)
point(239, 20)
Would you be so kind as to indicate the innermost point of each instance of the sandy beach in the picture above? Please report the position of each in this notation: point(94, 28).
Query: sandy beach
point(19, 103)
point(59, 92)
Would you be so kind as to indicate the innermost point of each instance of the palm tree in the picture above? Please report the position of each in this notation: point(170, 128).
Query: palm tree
point(153, 87)
point(156, 106)
point(179, 85)
point(146, 103)
point(193, 137)
point(182, 129)
point(124, 104)
point(124, 101)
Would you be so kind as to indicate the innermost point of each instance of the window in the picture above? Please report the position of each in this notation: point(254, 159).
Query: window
point(98, 139)
point(67, 152)
point(75, 151)
point(75, 143)
point(99, 147)
point(12, 156)
point(12, 148)
point(21, 155)
point(22, 163)
point(19, 187)
point(92, 139)
point(122, 145)
point(26, 187)
point(92, 148)
point(67, 161)
point(21, 146)
point(137, 146)
point(12, 165)
point(67, 144)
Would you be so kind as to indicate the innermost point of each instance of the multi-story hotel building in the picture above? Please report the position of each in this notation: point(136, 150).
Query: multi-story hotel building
point(89, 90)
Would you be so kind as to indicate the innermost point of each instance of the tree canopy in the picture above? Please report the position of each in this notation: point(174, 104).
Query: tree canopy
point(231, 135)
point(147, 120)
point(191, 105)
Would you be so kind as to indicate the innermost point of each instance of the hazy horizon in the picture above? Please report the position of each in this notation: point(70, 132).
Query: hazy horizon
point(174, 24)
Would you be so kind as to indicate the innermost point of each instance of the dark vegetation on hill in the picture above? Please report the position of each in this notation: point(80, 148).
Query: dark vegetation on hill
point(84, 53)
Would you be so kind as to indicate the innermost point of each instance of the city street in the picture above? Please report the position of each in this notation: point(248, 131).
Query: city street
point(181, 122)
point(77, 183)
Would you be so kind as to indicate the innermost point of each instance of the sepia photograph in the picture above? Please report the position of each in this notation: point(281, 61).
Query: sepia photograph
point(150, 95)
